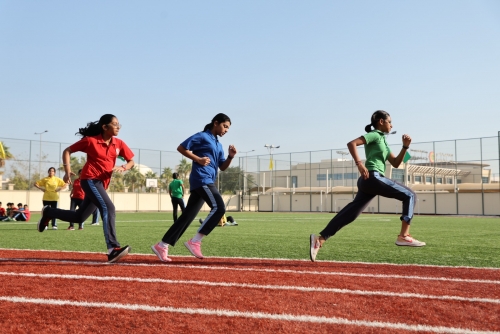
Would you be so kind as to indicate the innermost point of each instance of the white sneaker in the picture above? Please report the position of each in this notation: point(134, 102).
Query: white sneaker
point(408, 240)
point(54, 227)
point(315, 246)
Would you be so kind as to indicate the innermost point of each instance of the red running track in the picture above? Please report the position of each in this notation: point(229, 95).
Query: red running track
point(47, 291)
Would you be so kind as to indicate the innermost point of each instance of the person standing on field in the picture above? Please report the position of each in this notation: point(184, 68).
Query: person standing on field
point(103, 148)
point(372, 182)
point(208, 157)
point(176, 190)
point(51, 185)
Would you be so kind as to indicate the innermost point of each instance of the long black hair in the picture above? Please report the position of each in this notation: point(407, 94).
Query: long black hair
point(95, 128)
point(219, 118)
point(377, 116)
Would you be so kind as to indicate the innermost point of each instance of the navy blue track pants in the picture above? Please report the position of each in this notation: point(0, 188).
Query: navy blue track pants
point(376, 184)
point(95, 197)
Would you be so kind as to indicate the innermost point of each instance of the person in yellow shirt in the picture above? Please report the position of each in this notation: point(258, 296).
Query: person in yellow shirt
point(50, 186)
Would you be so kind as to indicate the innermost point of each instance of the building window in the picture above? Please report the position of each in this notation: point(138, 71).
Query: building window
point(439, 180)
point(294, 182)
point(449, 180)
point(398, 175)
point(485, 179)
point(347, 176)
point(428, 179)
point(320, 177)
point(459, 181)
point(418, 178)
point(409, 178)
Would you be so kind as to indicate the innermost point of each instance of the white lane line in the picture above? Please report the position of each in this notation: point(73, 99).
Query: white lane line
point(252, 315)
point(287, 271)
point(256, 286)
point(375, 264)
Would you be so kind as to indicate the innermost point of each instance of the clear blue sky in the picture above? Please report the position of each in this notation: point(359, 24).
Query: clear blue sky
point(305, 75)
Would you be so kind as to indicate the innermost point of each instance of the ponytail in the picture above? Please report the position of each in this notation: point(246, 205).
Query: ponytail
point(219, 118)
point(95, 128)
point(376, 116)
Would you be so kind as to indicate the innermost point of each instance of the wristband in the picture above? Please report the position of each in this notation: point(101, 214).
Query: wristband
point(229, 157)
point(406, 147)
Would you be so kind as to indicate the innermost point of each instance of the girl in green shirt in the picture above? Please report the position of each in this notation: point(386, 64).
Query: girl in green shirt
point(372, 182)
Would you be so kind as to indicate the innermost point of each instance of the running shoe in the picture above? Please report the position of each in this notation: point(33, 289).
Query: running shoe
point(71, 228)
point(408, 240)
point(80, 228)
point(44, 221)
point(314, 247)
point(54, 227)
point(194, 248)
point(94, 224)
point(117, 253)
point(161, 252)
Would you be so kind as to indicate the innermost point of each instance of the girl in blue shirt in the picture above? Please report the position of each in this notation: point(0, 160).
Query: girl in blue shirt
point(208, 156)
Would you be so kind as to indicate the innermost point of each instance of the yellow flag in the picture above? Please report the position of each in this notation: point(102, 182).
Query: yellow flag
point(2, 152)
point(271, 164)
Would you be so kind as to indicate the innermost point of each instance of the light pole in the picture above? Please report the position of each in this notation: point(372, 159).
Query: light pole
point(270, 148)
point(40, 154)
point(245, 181)
point(343, 171)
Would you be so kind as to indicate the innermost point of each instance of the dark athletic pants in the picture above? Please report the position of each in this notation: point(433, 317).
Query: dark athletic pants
point(77, 202)
point(52, 204)
point(375, 185)
point(95, 197)
point(177, 202)
point(206, 194)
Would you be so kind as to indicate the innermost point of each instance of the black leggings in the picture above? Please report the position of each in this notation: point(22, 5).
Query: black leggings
point(206, 194)
point(95, 197)
point(177, 202)
point(77, 202)
point(52, 204)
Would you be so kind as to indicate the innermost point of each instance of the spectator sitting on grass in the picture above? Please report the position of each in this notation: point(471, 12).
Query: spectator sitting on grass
point(22, 213)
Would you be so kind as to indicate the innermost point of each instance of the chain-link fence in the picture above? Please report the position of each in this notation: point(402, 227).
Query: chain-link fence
point(468, 169)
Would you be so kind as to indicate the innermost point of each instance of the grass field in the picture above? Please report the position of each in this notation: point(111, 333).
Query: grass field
point(451, 241)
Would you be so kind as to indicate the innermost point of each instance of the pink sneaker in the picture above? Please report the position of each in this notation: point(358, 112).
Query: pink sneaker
point(315, 245)
point(161, 252)
point(408, 240)
point(194, 248)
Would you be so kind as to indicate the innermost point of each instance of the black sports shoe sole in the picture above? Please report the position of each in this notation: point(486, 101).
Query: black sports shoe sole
point(118, 254)
point(43, 222)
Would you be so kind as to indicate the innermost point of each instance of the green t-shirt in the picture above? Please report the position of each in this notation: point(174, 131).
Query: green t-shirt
point(176, 187)
point(376, 151)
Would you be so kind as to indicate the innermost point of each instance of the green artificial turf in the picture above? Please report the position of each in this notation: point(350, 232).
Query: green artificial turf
point(454, 241)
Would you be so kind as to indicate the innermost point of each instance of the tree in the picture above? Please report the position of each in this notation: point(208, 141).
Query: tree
point(76, 164)
point(165, 178)
point(184, 169)
point(133, 178)
point(116, 183)
point(229, 180)
point(19, 180)
point(7, 155)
